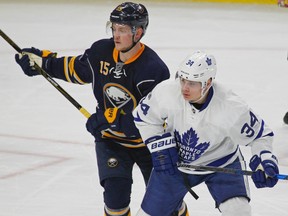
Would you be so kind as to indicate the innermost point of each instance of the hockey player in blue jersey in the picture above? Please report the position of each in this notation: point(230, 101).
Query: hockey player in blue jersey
point(122, 70)
point(204, 124)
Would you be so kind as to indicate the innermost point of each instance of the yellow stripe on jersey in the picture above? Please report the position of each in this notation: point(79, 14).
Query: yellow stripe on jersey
point(133, 146)
point(123, 140)
point(69, 71)
point(66, 73)
point(114, 136)
point(73, 72)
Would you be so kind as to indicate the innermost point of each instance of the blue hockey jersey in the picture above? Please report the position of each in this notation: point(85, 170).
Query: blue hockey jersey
point(115, 83)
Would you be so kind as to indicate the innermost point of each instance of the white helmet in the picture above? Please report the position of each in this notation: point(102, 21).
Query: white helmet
point(198, 67)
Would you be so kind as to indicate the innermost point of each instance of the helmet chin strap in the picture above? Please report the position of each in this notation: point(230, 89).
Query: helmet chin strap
point(134, 42)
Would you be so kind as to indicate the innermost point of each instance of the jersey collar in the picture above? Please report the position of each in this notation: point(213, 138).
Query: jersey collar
point(133, 58)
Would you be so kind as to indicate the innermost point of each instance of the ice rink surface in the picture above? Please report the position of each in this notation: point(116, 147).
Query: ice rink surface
point(47, 159)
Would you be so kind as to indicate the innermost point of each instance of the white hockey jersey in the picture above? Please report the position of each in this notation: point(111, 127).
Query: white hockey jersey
point(210, 136)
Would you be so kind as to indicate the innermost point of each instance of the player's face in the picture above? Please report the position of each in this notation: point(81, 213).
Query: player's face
point(122, 35)
point(190, 90)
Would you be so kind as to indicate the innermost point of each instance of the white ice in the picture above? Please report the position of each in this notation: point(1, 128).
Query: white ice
point(47, 159)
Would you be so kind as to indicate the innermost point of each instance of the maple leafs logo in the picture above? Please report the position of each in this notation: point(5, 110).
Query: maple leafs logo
point(189, 150)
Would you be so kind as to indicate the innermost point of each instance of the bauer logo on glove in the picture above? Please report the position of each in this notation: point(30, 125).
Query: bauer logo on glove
point(159, 143)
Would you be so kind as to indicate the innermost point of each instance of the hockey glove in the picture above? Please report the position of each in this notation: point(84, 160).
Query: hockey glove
point(101, 120)
point(285, 118)
point(163, 152)
point(265, 168)
point(29, 57)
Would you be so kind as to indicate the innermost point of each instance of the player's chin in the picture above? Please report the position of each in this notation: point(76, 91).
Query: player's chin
point(119, 47)
point(186, 97)
point(117, 44)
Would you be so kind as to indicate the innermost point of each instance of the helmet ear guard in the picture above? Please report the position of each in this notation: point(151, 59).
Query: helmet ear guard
point(198, 67)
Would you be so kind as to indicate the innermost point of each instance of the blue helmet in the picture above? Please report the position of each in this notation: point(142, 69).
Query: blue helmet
point(132, 14)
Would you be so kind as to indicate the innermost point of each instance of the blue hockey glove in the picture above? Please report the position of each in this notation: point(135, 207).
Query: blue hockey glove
point(29, 57)
point(163, 152)
point(265, 168)
point(101, 120)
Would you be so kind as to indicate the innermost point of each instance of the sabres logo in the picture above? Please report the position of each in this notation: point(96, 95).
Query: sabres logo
point(112, 162)
point(118, 96)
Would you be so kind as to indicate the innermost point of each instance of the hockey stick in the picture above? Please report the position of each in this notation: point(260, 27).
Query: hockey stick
point(48, 77)
point(226, 170)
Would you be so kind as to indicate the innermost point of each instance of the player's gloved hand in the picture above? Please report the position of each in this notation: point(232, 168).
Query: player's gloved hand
point(29, 57)
point(102, 120)
point(265, 168)
point(163, 152)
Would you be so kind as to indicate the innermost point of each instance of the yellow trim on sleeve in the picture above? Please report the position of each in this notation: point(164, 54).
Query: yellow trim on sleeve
point(66, 69)
point(72, 71)
point(71, 66)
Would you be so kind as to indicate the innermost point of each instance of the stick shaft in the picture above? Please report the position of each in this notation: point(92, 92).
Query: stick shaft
point(48, 77)
point(9, 40)
point(227, 170)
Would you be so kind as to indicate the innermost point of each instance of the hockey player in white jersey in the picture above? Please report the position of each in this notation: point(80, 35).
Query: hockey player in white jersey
point(204, 124)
